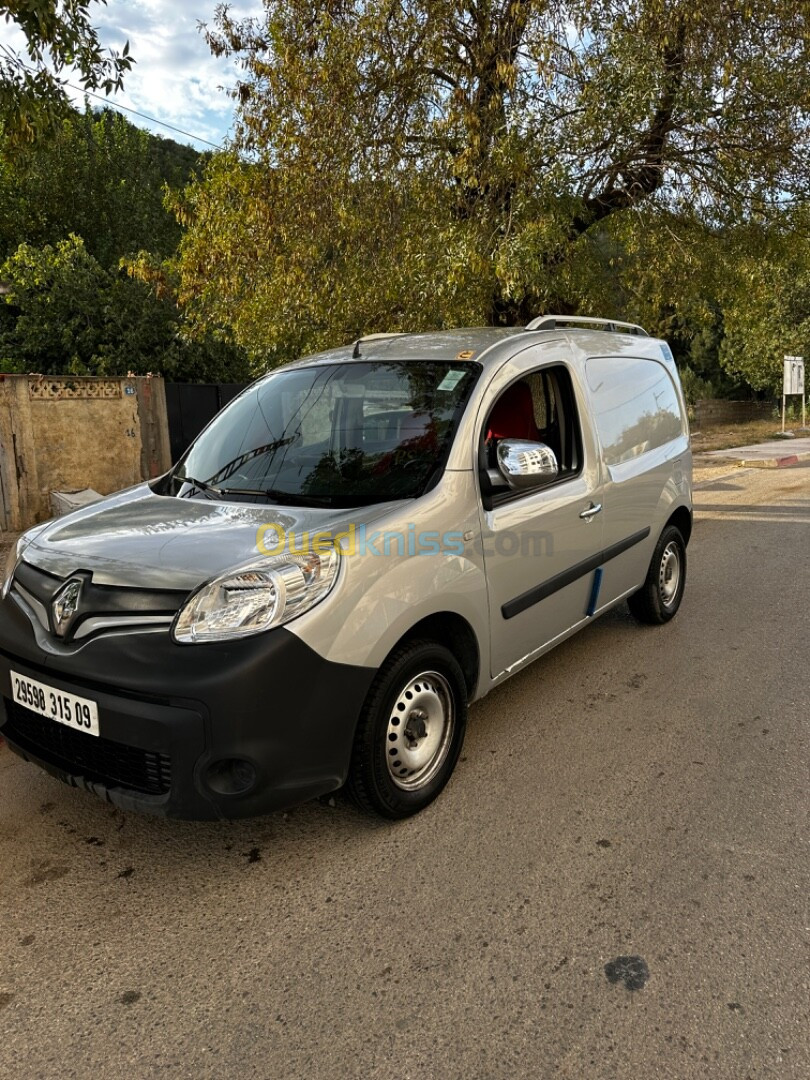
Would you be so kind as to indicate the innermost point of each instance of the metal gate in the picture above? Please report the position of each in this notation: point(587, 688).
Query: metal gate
point(190, 406)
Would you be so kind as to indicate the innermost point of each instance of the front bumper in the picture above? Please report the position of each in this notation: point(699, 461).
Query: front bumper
point(169, 714)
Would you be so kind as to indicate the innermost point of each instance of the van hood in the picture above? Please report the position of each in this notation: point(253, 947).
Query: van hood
point(139, 539)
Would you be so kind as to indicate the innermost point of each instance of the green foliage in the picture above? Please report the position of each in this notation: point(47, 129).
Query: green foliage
point(425, 164)
point(767, 302)
point(59, 294)
point(440, 163)
point(98, 176)
point(77, 215)
point(59, 34)
point(696, 388)
point(74, 205)
point(74, 316)
point(286, 285)
point(732, 300)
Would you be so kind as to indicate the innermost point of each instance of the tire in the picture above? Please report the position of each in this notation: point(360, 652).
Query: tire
point(410, 732)
point(658, 599)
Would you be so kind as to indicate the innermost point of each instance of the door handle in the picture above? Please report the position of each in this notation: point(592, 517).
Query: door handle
point(591, 512)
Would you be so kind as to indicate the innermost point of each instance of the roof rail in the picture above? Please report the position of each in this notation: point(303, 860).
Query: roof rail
point(373, 337)
point(553, 322)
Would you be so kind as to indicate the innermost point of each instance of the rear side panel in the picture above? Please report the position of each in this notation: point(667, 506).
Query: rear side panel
point(641, 425)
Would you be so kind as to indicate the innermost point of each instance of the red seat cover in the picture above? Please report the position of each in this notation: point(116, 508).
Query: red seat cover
point(513, 415)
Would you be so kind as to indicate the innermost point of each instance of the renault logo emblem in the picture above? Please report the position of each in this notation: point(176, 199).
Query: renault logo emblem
point(65, 605)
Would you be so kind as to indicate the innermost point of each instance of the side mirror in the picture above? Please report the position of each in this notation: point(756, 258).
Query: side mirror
point(525, 464)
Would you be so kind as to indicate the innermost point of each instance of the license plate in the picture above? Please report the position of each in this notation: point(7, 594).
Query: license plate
point(68, 709)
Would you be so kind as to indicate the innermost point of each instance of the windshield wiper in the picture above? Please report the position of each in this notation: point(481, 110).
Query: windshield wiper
point(201, 485)
point(288, 498)
point(245, 491)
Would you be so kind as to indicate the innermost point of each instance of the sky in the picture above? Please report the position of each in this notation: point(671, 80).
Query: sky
point(175, 79)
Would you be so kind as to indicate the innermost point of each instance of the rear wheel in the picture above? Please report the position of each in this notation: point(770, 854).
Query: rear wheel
point(660, 596)
point(410, 732)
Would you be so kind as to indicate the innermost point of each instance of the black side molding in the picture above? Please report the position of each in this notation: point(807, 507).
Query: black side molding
point(567, 577)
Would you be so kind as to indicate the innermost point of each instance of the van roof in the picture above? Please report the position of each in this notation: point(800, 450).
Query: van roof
point(463, 344)
point(586, 338)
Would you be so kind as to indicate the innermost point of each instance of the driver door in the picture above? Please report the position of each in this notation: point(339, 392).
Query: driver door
point(541, 546)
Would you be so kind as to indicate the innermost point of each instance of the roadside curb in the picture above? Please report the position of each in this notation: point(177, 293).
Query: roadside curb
point(757, 463)
point(770, 463)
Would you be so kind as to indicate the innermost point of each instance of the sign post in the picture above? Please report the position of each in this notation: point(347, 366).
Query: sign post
point(793, 383)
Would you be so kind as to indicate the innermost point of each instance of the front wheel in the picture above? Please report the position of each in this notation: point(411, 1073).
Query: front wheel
point(660, 596)
point(410, 732)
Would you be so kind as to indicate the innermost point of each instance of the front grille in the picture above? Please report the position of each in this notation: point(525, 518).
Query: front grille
point(95, 758)
point(100, 607)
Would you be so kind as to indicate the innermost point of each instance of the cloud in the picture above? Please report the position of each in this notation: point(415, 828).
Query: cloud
point(175, 78)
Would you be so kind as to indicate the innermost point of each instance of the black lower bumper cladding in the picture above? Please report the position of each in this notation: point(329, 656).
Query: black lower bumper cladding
point(200, 731)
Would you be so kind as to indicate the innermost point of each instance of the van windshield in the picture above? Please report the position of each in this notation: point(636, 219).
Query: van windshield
point(336, 435)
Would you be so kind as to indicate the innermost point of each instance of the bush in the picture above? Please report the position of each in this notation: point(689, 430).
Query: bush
point(696, 388)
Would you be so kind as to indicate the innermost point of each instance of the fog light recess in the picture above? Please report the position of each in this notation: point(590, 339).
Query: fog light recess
point(231, 776)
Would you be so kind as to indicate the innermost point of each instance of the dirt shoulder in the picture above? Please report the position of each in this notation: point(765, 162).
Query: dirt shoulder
point(725, 436)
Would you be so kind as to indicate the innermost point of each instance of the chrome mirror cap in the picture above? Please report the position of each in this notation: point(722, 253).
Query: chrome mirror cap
point(524, 464)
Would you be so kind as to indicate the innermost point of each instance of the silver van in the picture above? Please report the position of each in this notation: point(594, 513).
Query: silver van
point(357, 547)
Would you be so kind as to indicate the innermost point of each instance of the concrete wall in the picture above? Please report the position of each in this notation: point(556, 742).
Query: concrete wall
point(71, 433)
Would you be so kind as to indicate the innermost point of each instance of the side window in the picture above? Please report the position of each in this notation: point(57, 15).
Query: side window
point(539, 407)
point(635, 404)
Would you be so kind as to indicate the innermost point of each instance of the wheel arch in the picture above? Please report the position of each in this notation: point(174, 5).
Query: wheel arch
point(682, 520)
point(454, 632)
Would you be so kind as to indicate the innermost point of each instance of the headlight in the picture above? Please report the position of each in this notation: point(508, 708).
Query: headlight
point(15, 553)
point(266, 592)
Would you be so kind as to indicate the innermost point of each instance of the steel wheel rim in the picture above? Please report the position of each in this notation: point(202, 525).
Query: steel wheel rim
point(669, 574)
point(420, 731)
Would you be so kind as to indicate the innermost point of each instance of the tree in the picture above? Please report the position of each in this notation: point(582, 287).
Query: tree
point(767, 301)
point(405, 164)
point(731, 300)
point(75, 317)
point(97, 176)
point(59, 35)
point(67, 314)
point(84, 235)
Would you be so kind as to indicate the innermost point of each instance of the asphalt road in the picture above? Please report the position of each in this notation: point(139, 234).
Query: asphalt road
point(639, 793)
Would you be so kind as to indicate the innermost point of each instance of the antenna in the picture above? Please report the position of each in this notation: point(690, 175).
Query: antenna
point(372, 337)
